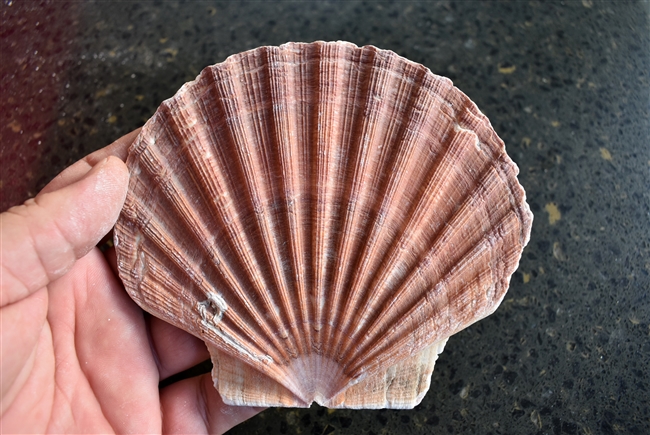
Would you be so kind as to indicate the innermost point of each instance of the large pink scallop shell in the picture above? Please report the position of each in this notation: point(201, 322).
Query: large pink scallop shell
point(324, 217)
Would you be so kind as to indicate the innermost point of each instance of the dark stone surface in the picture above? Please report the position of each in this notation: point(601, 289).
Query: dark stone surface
point(565, 84)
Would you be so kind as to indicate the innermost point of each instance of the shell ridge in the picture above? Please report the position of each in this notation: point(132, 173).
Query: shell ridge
point(212, 187)
point(441, 291)
point(281, 71)
point(357, 82)
point(260, 185)
point(312, 70)
point(318, 186)
point(457, 220)
point(452, 146)
point(352, 189)
point(229, 105)
point(194, 225)
point(328, 164)
point(392, 161)
point(306, 122)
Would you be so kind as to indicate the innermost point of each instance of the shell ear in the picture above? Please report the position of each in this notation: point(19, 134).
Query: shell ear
point(401, 386)
point(240, 384)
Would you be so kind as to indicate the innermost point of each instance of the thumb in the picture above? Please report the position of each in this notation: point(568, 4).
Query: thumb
point(41, 239)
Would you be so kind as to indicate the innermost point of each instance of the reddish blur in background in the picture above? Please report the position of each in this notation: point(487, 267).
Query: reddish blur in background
point(75, 76)
point(36, 43)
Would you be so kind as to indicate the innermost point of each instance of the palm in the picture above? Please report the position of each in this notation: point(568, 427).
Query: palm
point(105, 378)
point(77, 354)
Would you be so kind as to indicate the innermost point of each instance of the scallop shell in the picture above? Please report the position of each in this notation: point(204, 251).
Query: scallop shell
point(324, 217)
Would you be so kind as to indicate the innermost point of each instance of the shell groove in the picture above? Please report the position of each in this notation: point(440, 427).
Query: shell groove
point(324, 217)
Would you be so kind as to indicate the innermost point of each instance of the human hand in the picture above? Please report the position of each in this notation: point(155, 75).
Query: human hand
point(78, 355)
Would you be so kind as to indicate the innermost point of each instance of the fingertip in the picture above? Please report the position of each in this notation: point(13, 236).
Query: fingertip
point(115, 162)
point(194, 406)
point(77, 171)
point(176, 349)
point(119, 148)
point(117, 178)
point(99, 198)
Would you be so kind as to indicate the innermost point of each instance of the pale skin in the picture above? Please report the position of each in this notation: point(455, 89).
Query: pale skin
point(77, 354)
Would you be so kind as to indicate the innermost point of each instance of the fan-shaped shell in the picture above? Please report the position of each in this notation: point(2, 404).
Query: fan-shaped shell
point(324, 217)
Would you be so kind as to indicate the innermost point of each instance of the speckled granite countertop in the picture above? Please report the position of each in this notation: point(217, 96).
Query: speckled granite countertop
point(565, 84)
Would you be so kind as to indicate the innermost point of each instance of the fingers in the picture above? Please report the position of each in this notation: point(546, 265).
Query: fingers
point(119, 148)
point(74, 173)
point(194, 406)
point(176, 350)
point(42, 238)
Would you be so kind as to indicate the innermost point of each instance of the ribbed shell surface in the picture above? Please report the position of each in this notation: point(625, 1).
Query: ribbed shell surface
point(324, 217)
